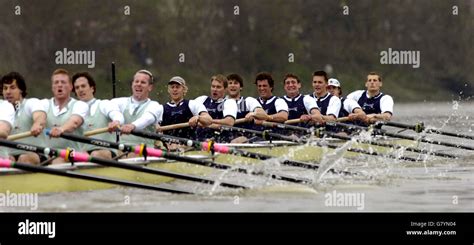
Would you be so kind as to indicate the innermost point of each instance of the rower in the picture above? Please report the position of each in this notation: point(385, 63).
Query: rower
point(247, 107)
point(300, 106)
point(138, 110)
point(275, 107)
point(223, 111)
point(349, 107)
point(64, 113)
point(377, 105)
point(102, 113)
point(7, 119)
point(180, 110)
point(29, 116)
point(329, 105)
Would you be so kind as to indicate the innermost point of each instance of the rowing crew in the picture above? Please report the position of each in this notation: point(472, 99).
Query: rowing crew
point(203, 115)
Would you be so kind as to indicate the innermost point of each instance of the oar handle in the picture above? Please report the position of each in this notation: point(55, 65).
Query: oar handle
point(174, 126)
point(96, 131)
point(240, 120)
point(20, 136)
point(342, 119)
point(293, 121)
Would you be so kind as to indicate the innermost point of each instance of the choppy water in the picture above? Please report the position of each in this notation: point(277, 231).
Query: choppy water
point(382, 185)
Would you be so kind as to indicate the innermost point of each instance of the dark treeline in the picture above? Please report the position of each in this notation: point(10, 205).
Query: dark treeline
point(246, 36)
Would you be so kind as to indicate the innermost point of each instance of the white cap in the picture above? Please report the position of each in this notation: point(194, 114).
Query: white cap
point(334, 82)
point(178, 80)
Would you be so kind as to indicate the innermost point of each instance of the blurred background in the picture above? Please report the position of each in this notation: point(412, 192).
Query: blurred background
point(245, 37)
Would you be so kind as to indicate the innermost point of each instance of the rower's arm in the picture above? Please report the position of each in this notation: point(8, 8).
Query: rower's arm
point(329, 118)
point(5, 129)
point(204, 119)
point(316, 116)
point(39, 122)
point(74, 122)
point(358, 114)
point(260, 114)
point(228, 121)
point(279, 117)
point(380, 117)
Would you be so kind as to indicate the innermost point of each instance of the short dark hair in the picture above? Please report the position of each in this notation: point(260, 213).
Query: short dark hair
point(288, 75)
point(89, 78)
point(265, 76)
point(20, 81)
point(322, 74)
point(236, 77)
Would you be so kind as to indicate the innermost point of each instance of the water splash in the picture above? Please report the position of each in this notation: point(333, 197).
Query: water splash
point(330, 160)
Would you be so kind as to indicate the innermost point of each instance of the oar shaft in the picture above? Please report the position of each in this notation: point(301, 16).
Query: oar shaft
point(457, 135)
point(160, 153)
point(392, 146)
point(395, 135)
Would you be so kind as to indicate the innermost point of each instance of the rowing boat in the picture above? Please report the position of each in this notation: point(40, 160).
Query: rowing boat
point(291, 152)
point(19, 181)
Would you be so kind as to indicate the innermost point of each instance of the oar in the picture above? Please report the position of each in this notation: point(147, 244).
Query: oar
point(295, 121)
point(84, 157)
point(5, 163)
point(401, 136)
point(395, 146)
point(186, 124)
point(420, 127)
point(214, 147)
point(279, 136)
point(320, 133)
point(20, 135)
point(147, 151)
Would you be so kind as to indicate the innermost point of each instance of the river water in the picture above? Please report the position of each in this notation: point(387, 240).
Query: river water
point(386, 185)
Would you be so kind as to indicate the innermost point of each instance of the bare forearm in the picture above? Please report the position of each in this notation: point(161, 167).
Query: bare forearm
point(72, 124)
point(229, 121)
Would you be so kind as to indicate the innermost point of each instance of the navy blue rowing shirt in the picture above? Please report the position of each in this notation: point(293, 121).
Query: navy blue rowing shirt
point(178, 114)
point(323, 102)
point(214, 108)
point(370, 105)
point(342, 112)
point(269, 108)
point(216, 111)
point(296, 106)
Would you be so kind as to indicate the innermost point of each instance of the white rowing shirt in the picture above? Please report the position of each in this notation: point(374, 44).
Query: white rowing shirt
point(152, 111)
point(57, 117)
point(7, 112)
point(384, 100)
point(350, 105)
point(24, 121)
